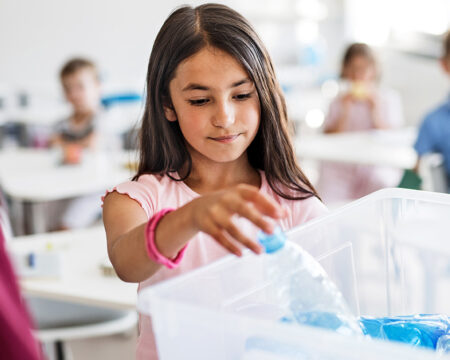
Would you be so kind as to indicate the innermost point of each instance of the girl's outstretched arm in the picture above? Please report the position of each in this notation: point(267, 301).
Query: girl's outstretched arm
point(125, 222)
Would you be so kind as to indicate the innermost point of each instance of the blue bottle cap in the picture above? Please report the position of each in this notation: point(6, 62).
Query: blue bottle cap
point(272, 242)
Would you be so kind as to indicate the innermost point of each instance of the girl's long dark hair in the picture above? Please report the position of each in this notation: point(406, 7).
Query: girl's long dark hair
point(185, 32)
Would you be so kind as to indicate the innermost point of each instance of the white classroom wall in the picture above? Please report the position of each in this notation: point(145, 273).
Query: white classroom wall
point(36, 37)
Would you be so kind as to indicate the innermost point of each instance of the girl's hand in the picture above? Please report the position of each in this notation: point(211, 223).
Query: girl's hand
point(374, 105)
point(213, 214)
point(347, 99)
point(373, 101)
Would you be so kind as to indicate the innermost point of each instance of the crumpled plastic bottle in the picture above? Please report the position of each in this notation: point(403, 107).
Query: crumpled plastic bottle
point(418, 330)
point(303, 288)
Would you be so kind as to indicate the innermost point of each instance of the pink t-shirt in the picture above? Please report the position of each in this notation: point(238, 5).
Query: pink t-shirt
point(155, 193)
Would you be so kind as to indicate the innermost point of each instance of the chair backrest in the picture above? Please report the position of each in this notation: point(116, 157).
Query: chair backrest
point(432, 172)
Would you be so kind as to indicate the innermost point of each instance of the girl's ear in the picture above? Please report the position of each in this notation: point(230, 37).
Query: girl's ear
point(170, 113)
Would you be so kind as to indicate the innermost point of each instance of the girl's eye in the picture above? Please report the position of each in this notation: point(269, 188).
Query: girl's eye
point(243, 96)
point(198, 102)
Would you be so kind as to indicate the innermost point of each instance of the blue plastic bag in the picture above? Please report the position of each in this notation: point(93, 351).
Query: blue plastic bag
point(417, 330)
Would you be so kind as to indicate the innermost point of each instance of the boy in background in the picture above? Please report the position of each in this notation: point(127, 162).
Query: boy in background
point(434, 132)
point(80, 81)
point(87, 128)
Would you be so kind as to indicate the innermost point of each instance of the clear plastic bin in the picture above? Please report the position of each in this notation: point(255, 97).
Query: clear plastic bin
point(389, 254)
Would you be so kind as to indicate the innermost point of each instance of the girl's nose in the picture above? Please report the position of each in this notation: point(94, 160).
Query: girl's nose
point(223, 116)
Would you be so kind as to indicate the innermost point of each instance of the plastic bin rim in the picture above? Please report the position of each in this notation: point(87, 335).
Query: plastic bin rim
point(392, 193)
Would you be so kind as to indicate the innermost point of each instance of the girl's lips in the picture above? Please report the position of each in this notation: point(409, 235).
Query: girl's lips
point(225, 139)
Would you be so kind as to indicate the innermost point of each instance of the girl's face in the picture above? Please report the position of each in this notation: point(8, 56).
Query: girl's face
point(216, 105)
point(360, 69)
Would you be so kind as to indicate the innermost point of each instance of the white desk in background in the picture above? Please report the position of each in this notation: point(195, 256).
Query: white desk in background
point(83, 281)
point(39, 115)
point(36, 120)
point(119, 118)
point(392, 148)
point(31, 177)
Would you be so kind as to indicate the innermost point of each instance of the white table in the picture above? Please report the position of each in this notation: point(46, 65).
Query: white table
point(84, 281)
point(392, 148)
point(37, 120)
point(44, 115)
point(32, 177)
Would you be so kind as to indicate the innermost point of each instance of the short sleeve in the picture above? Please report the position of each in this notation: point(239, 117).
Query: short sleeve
point(137, 191)
point(425, 142)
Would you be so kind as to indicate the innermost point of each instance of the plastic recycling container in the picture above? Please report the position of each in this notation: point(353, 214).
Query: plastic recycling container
point(388, 253)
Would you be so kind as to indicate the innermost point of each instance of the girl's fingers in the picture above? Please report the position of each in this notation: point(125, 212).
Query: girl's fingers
point(263, 203)
point(223, 221)
point(245, 201)
point(218, 234)
point(236, 205)
point(244, 240)
point(249, 212)
point(221, 238)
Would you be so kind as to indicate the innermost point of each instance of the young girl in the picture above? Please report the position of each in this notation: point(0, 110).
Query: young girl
point(363, 106)
point(215, 155)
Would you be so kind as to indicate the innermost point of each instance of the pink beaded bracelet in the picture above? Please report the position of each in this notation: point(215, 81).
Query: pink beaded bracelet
point(152, 251)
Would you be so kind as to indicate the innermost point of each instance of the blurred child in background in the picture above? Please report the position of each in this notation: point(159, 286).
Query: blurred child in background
point(80, 81)
point(362, 106)
point(434, 132)
point(87, 129)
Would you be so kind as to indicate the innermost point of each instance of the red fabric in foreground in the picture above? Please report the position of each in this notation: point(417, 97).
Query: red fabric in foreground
point(16, 339)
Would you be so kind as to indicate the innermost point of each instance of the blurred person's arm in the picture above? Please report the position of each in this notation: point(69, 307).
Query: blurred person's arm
point(56, 140)
point(416, 167)
point(425, 142)
point(89, 142)
point(378, 121)
point(337, 118)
